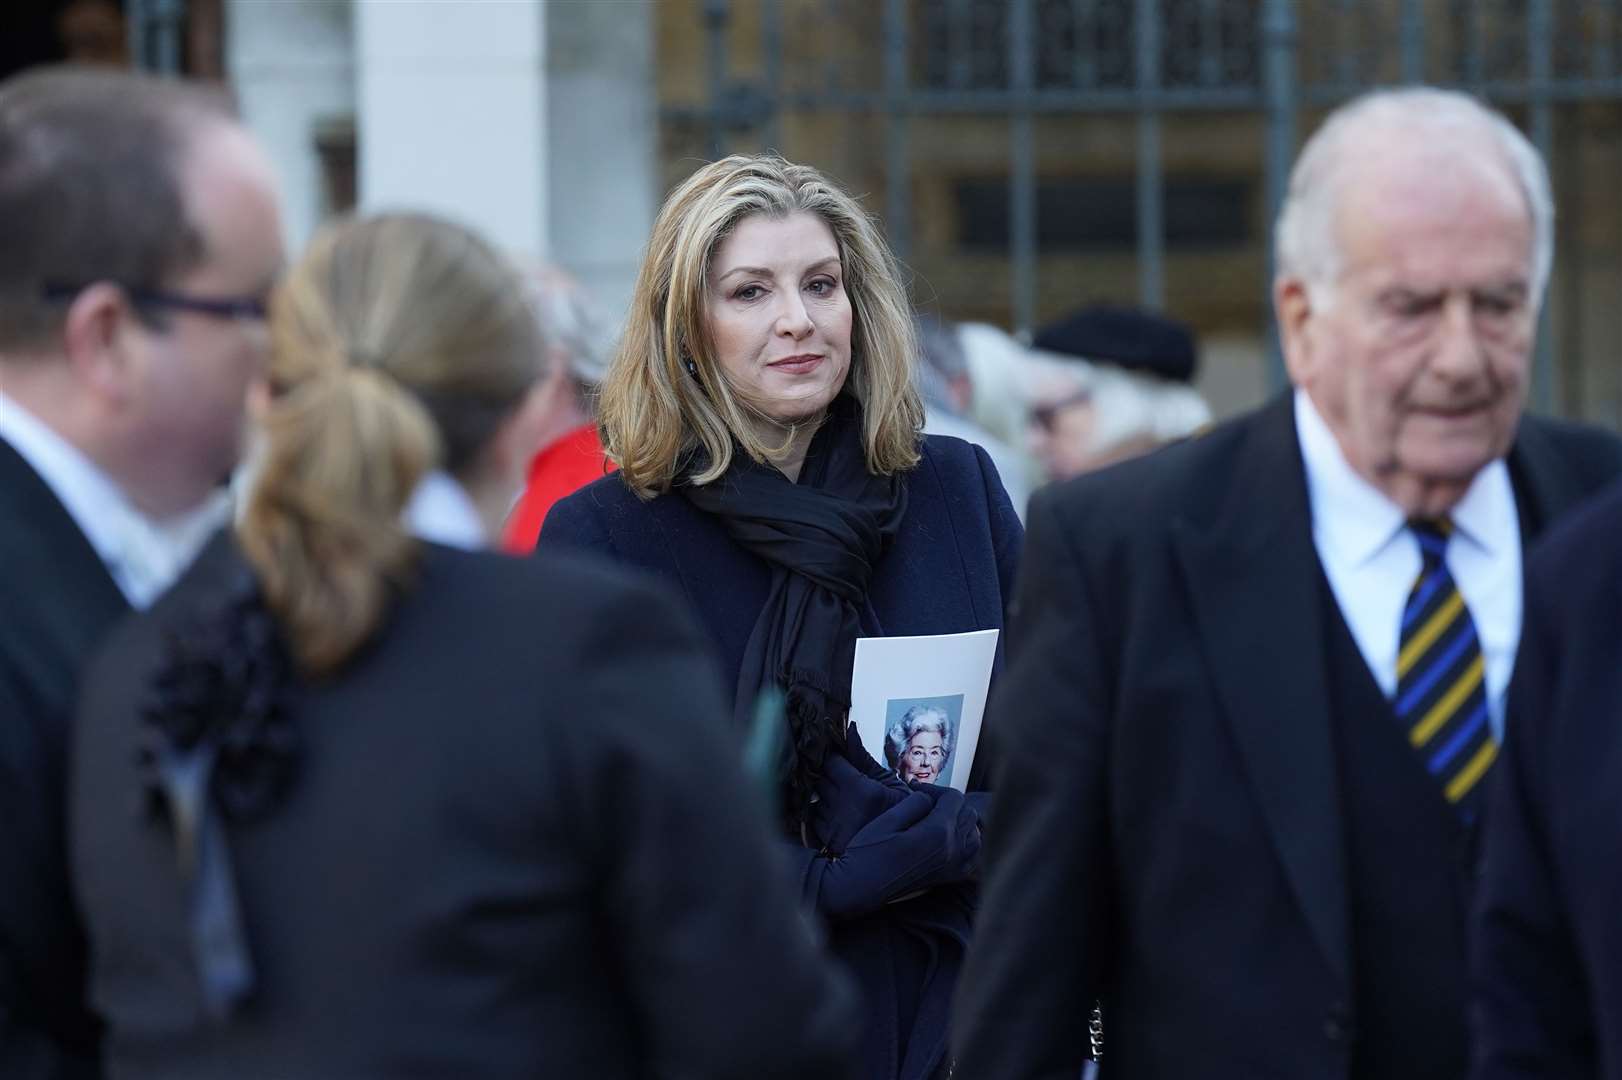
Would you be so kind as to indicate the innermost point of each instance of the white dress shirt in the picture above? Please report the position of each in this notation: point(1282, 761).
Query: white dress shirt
point(441, 511)
point(143, 555)
point(1372, 560)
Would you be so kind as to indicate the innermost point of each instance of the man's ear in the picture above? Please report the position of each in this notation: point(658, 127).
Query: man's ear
point(1292, 304)
point(94, 337)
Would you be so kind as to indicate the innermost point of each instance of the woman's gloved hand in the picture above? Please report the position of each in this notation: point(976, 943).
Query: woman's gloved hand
point(859, 757)
point(847, 801)
point(925, 839)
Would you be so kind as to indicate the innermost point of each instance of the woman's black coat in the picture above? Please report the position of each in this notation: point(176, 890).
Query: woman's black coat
point(950, 570)
point(518, 842)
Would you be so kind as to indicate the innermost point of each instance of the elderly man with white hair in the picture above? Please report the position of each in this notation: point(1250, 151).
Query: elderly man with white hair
point(1260, 674)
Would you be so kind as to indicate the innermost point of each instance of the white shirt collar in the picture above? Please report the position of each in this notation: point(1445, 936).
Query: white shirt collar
point(1358, 520)
point(1353, 516)
point(441, 511)
point(143, 555)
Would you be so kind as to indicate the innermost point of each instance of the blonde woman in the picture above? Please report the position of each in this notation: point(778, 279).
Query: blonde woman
point(359, 799)
point(762, 411)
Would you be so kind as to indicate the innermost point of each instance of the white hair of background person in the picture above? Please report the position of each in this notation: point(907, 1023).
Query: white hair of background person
point(1306, 244)
point(1126, 405)
point(572, 324)
point(996, 363)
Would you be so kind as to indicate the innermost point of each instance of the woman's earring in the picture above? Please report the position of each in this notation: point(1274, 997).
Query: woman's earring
point(692, 368)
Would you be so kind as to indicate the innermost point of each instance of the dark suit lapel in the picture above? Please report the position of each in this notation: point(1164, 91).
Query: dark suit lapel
point(42, 547)
point(1545, 484)
point(1252, 575)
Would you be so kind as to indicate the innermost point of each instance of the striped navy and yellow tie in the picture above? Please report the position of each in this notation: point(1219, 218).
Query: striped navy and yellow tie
point(1441, 691)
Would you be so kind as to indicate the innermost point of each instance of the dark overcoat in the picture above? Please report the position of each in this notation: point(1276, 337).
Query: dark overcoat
point(949, 570)
point(517, 841)
point(1548, 947)
point(57, 601)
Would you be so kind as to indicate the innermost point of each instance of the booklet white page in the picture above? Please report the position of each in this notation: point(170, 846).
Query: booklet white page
point(918, 702)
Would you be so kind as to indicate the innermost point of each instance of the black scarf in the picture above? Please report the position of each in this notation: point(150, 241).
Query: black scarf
point(822, 538)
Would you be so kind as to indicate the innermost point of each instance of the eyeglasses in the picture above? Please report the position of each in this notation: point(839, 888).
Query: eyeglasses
point(1044, 416)
point(221, 307)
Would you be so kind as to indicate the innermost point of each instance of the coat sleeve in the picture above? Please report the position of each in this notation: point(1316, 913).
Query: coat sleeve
point(721, 968)
point(1532, 1014)
point(1007, 534)
point(1034, 972)
point(41, 943)
point(1007, 543)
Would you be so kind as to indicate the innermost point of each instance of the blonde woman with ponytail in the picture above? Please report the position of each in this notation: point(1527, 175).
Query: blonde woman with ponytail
point(359, 798)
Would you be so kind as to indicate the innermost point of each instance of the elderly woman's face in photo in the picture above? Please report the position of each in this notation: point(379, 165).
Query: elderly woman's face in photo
point(924, 757)
point(779, 316)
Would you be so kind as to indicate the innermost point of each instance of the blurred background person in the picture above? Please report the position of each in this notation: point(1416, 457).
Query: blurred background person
point(1547, 950)
point(947, 387)
point(356, 801)
point(1107, 384)
point(578, 343)
point(763, 410)
point(142, 237)
point(998, 368)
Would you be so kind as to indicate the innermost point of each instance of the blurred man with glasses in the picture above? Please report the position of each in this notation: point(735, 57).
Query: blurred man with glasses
point(141, 238)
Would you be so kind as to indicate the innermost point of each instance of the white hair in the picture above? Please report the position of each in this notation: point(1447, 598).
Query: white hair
point(995, 360)
point(1127, 405)
point(570, 321)
point(1306, 245)
point(916, 719)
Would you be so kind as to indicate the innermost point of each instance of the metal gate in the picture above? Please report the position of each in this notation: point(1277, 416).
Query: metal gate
point(157, 31)
point(1146, 63)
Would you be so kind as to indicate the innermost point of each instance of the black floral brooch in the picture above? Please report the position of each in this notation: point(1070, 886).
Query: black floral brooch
point(224, 680)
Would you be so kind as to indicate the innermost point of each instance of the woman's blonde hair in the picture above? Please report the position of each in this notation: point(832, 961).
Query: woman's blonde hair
point(399, 344)
point(654, 414)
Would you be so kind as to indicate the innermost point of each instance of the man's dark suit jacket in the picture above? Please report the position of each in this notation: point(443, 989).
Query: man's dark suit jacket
point(57, 601)
point(1167, 832)
point(1548, 946)
point(518, 842)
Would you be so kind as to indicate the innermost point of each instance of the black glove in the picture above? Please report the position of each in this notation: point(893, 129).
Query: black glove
point(859, 757)
point(847, 801)
point(925, 839)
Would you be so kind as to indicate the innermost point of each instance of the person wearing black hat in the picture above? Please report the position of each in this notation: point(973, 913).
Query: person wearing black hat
point(1108, 384)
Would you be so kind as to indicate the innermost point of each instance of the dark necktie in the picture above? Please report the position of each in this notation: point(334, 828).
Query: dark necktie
point(1441, 686)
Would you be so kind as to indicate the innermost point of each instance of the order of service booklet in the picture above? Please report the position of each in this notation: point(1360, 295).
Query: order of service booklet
point(917, 702)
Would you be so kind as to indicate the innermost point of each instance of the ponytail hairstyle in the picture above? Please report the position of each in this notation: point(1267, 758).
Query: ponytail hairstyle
point(399, 344)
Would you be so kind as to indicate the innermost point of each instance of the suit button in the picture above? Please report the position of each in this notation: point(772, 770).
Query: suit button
point(1337, 1025)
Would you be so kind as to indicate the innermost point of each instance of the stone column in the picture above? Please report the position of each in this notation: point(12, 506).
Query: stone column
point(602, 141)
point(292, 66)
point(452, 114)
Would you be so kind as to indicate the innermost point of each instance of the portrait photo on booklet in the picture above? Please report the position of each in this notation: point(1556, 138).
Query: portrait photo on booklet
point(917, 702)
point(921, 735)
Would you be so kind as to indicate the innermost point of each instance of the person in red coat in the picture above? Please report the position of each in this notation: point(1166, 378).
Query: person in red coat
point(571, 456)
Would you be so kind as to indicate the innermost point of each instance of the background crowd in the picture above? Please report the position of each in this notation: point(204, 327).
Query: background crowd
point(384, 629)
